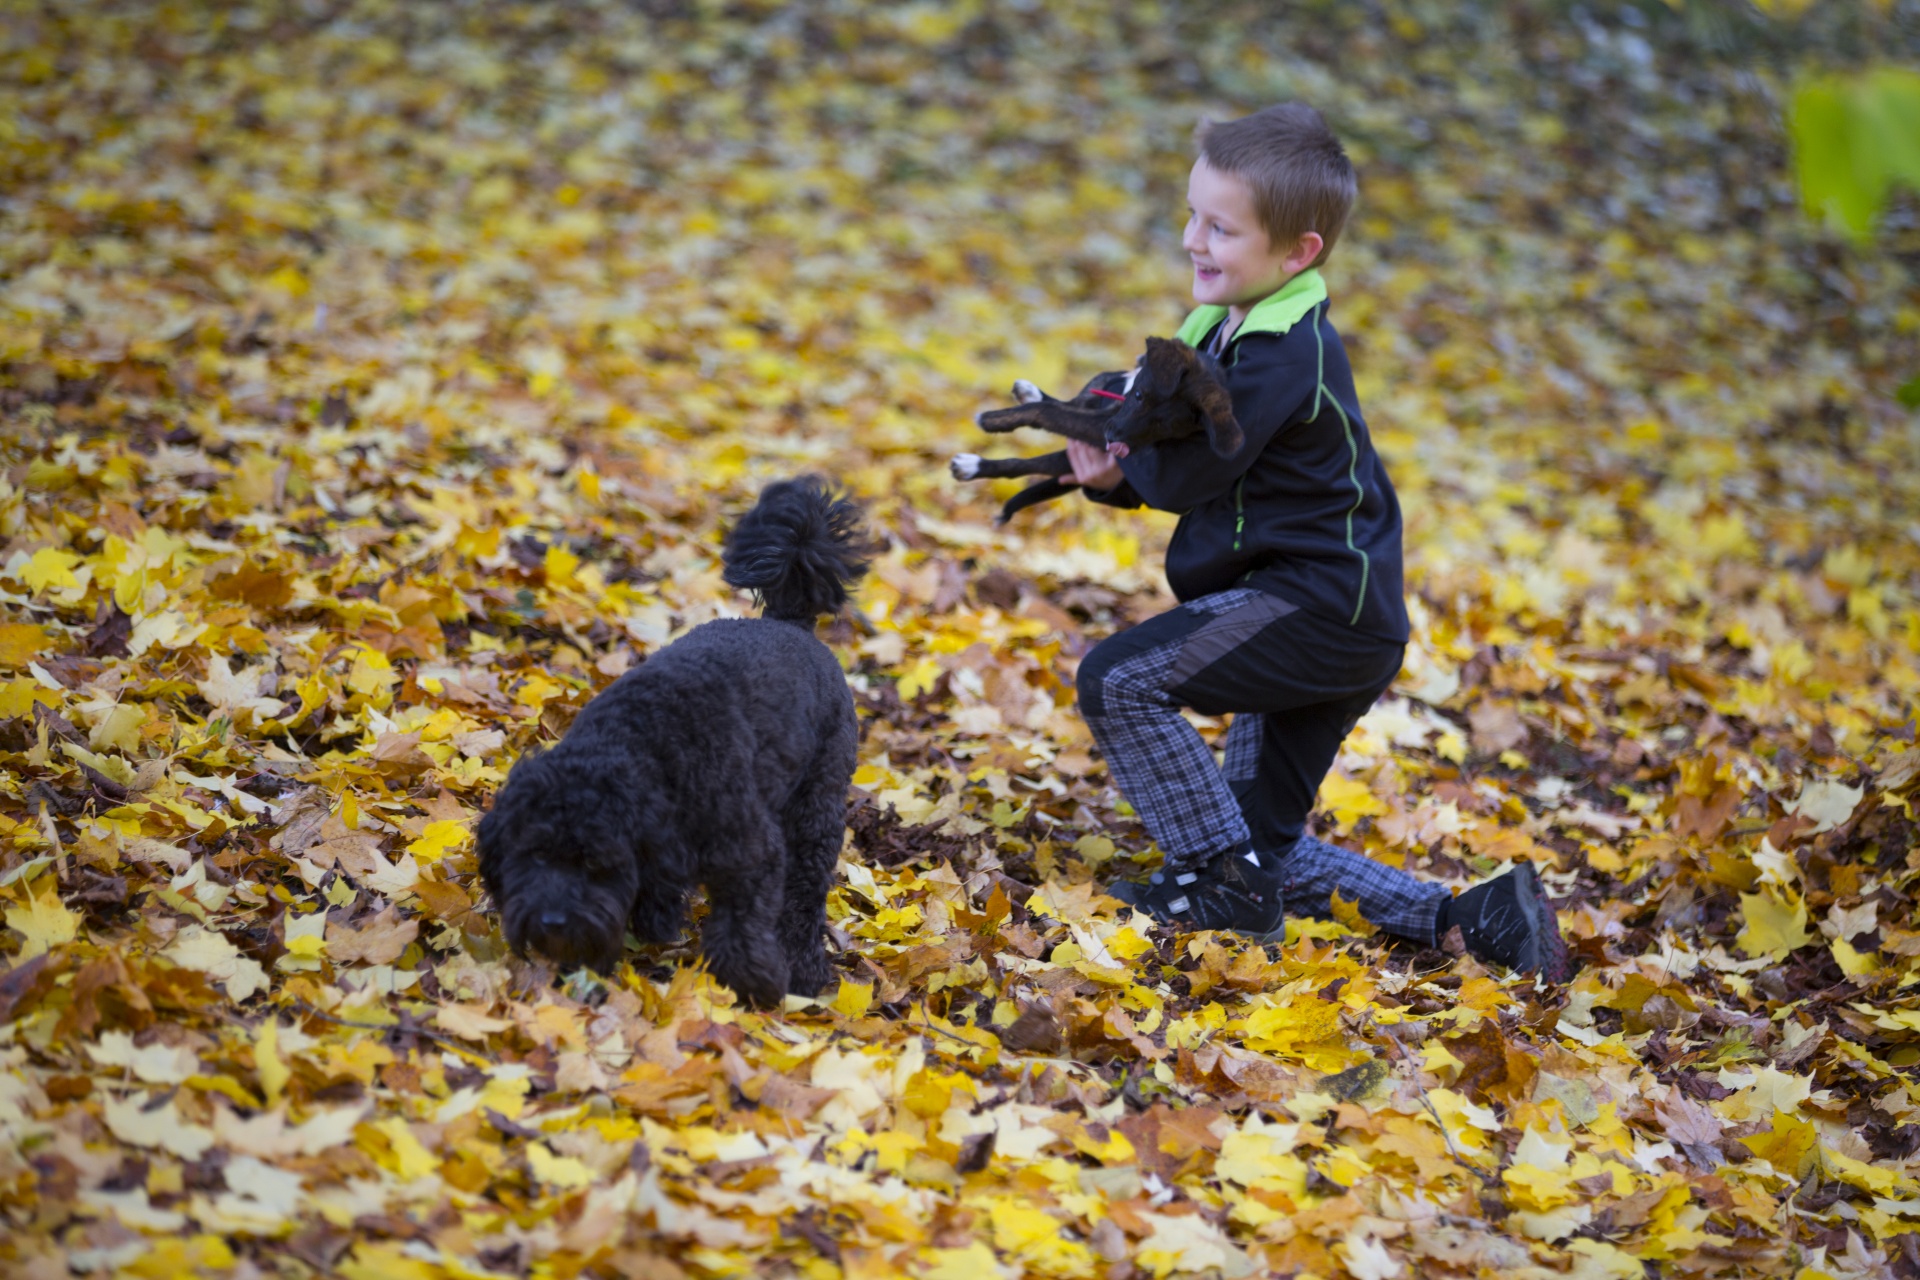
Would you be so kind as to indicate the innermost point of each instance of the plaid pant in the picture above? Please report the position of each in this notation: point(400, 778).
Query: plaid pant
point(1295, 683)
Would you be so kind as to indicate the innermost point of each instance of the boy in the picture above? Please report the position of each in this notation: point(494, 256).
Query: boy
point(1287, 561)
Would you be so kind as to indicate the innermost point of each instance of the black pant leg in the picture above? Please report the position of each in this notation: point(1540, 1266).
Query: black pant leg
point(1309, 681)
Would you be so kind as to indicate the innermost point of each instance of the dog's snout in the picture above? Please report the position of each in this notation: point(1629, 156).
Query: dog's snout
point(552, 921)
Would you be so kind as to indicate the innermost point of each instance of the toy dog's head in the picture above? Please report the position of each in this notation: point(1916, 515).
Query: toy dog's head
point(559, 861)
point(1175, 392)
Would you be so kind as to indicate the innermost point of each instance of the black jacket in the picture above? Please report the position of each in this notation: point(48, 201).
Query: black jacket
point(1304, 510)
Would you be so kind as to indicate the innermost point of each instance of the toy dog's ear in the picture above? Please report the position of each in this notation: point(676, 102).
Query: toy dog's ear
point(1165, 363)
point(1208, 393)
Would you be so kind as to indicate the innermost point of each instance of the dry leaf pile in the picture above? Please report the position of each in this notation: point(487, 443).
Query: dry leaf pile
point(378, 380)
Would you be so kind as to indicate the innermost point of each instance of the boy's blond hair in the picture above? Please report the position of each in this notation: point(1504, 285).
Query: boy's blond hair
point(1294, 166)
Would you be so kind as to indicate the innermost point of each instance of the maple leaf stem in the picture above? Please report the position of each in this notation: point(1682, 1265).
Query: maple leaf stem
point(451, 1045)
point(1400, 1051)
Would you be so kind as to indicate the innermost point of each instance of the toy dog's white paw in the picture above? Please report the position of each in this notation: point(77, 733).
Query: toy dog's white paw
point(1026, 393)
point(965, 466)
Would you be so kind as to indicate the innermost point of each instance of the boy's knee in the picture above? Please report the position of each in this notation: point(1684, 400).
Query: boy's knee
point(1090, 681)
point(1101, 681)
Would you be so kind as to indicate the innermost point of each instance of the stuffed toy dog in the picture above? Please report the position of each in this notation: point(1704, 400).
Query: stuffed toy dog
point(1173, 391)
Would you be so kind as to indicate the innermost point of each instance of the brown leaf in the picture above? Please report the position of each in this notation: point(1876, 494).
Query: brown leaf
point(1496, 727)
point(300, 821)
point(357, 854)
point(976, 1152)
point(1036, 1030)
point(445, 901)
point(24, 980)
point(398, 755)
point(379, 941)
point(1687, 1122)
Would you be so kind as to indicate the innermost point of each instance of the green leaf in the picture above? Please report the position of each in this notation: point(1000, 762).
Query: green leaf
point(1909, 393)
point(1854, 137)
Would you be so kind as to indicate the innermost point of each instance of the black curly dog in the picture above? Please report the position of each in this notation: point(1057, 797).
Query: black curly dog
point(722, 760)
point(1172, 392)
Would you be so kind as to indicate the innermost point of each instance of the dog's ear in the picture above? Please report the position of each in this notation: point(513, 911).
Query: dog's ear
point(1165, 364)
point(1207, 391)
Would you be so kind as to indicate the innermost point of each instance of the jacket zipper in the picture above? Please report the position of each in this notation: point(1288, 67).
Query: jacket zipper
point(1239, 511)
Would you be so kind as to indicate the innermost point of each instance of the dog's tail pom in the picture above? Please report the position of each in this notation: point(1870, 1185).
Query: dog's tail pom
point(798, 550)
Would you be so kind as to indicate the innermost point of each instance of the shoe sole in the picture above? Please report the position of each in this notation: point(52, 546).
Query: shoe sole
point(1549, 949)
point(1276, 934)
point(1132, 892)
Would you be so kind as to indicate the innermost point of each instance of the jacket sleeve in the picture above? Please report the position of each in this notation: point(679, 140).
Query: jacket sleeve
point(1271, 383)
point(1121, 495)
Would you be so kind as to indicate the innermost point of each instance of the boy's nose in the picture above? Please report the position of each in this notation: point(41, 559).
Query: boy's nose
point(1188, 239)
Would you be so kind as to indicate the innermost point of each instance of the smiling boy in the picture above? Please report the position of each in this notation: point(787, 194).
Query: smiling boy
point(1287, 562)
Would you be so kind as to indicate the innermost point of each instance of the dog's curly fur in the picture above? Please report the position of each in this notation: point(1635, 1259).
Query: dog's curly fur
point(722, 760)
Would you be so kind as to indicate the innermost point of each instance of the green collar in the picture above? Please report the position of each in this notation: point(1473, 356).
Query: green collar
point(1276, 313)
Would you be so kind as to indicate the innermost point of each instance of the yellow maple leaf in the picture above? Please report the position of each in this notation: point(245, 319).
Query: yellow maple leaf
point(1874, 1179)
point(1349, 800)
point(1788, 1144)
point(563, 1172)
point(21, 643)
point(43, 921)
point(918, 678)
point(404, 1155)
point(853, 998)
point(49, 568)
point(386, 1262)
point(1535, 1188)
point(273, 1073)
point(1347, 912)
point(560, 564)
point(1853, 963)
point(1776, 923)
point(174, 1256)
point(975, 1262)
point(438, 839)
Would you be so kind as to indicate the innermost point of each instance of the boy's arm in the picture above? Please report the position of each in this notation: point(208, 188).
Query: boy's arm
point(1272, 382)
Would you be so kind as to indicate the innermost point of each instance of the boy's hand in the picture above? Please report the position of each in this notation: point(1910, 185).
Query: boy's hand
point(1092, 466)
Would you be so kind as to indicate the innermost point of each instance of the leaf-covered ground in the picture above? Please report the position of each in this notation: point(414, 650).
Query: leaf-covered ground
point(377, 382)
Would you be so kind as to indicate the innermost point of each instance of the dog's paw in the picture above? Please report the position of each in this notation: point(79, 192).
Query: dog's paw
point(965, 466)
point(1026, 393)
point(809, 976)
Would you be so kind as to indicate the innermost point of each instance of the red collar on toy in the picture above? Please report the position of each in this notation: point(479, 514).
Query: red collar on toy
point(1108, 394)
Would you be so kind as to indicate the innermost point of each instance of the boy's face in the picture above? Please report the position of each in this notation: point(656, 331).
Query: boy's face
point(1235, 262)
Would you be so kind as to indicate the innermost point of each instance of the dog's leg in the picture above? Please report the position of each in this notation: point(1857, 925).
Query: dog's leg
point(1034, 494)
point(816, 826)
point(740, 938)
point(1011, 419)
point(659, 911)
point(971, 466)
point(1089, 426)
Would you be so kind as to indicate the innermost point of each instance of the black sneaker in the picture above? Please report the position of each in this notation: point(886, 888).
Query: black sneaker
point(1510, 921)
point(1236, 891)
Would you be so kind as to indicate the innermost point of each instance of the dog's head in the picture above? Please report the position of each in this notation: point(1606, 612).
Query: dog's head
point(1176, 391)
point(560, 864)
